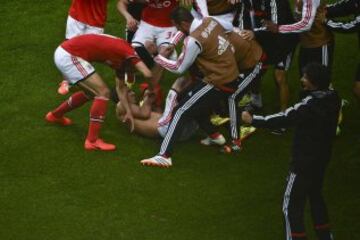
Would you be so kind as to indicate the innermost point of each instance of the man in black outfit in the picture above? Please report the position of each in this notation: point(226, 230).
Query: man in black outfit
point(344, 8)
point(315, 119)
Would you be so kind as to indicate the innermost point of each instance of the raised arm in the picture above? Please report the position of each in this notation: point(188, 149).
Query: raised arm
point(131, 23)
point(307, 18)
point(122, 90)
point(190, 51)
point(284, 119)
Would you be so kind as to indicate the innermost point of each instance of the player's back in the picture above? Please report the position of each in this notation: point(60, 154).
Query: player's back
point(216, 60)
point(100, 48)
point(247, 52)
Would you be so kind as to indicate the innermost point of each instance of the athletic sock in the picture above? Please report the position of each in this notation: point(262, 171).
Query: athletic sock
point(97, 116)
point(170, 104)
point(74, 101)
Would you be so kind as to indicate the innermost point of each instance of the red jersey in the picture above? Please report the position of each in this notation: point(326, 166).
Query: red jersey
point(90, 12)
point(157, 12)
point(101, 48)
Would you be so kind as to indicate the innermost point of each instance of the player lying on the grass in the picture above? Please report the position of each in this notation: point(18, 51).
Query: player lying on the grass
point(73, 58)
point(154, 124)
point(315, 120)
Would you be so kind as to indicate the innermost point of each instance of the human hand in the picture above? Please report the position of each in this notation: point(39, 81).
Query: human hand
point(150, 47)
point(131, 24)
point(247, 34)
point(246, 117)
point(166, 51)
point(272, 27)
point(129, 119)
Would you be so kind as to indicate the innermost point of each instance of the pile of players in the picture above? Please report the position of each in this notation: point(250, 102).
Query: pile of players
point(227, 47)
point(260, 34)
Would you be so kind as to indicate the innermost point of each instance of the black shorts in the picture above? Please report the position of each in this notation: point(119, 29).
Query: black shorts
point(357, 76)
point(322, 55)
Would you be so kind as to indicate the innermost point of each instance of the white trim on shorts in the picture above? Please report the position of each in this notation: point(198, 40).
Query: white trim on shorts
point(73, 68)
point(75, 28)
point(148, 32)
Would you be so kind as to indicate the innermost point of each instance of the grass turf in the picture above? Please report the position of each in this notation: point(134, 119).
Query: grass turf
point(50, 188)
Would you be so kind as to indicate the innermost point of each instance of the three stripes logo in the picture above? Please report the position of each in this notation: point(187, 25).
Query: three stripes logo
point(223, 44)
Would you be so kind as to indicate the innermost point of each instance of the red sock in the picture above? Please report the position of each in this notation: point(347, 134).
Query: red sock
point(76, 100)
point(97, 116)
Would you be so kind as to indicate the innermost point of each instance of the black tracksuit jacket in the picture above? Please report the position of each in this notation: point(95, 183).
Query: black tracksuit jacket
point(315, 120)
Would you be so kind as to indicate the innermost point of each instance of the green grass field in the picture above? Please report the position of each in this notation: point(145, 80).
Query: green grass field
point(51, 188)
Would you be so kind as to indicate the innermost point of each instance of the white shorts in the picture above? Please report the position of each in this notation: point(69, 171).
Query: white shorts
point(75, 28)
point(74, 69)
point(159, 35)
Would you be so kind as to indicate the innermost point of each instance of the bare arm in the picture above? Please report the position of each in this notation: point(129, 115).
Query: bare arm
point(141, 67)
point(122, 90)
point(188, 55)
point(131, 23)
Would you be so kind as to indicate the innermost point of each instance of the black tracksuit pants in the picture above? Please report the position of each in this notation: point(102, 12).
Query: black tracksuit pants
point(198, 102)
point(300, 188)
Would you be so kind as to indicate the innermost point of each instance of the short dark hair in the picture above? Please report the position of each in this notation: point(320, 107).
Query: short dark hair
point(318, 75)
point(181, 14)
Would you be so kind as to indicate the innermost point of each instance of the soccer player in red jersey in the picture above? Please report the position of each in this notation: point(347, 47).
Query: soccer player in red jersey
point(73, 58)
point(155, 26)
point(86, 16)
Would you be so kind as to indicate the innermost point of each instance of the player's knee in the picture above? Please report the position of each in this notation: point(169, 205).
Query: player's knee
point(103, 92)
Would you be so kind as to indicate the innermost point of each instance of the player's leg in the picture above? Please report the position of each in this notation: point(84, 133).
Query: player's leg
point(192, 105)
point(293, 207)
point(95, 85)
point(280, 77)
point(73, 28)
point(74, 70)
point(243, 85)
point(280, 71)
point(144, 33)
point(318, 207)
